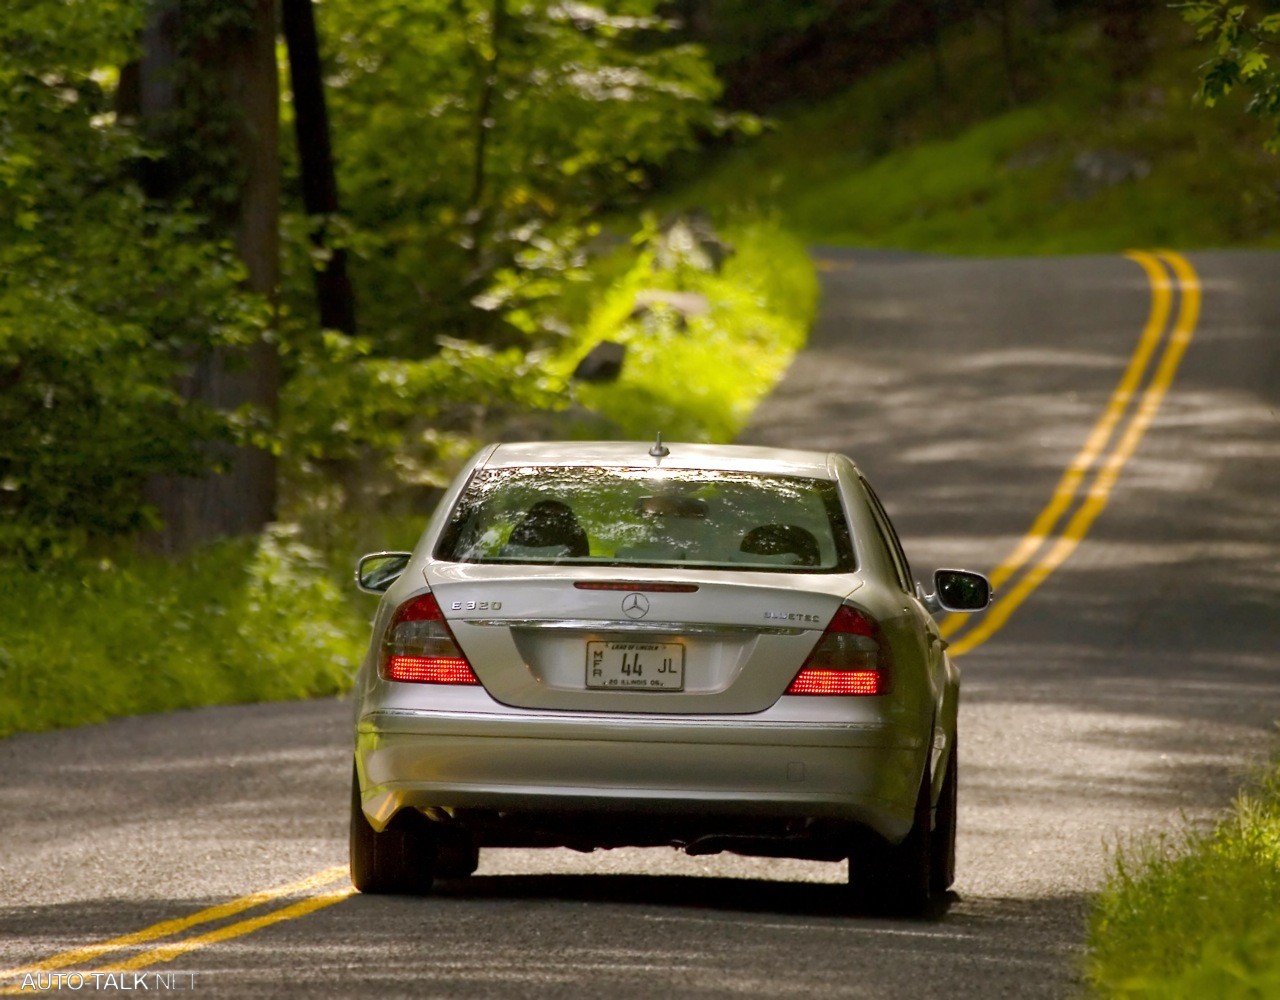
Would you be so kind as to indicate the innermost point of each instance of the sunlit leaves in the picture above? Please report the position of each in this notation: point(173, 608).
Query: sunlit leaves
point(396, 422)
point(1241, 45)
point(1253, 63)
point(464, 137)
point(588, 17)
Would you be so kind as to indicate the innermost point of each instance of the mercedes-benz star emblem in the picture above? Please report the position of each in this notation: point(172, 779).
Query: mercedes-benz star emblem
point(635, 605)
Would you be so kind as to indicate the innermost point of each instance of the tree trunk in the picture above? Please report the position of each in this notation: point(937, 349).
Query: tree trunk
point(933, 28)
point(487, 69)
point(1126, 34)
point(241, 498)
point(334, 295)
point(158, 98)
point(1008, 51)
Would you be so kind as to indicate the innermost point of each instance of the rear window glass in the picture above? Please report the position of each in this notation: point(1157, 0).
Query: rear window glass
point(649, 517)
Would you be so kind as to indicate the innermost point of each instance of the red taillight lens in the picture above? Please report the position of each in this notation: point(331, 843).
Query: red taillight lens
point(812, 681)
point(420, 649)
point(851, 658)
point(430, 670)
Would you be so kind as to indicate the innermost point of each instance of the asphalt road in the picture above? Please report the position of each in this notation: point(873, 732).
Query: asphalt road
point(1132, 688)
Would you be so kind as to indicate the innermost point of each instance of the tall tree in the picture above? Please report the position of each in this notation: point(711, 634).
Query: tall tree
point(335, 297)
point(486, 54)
point(1009, 50)
point(1125, 29)
point(209, 100)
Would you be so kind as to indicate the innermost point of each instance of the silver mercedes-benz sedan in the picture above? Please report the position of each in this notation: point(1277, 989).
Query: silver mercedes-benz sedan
point(716, 648)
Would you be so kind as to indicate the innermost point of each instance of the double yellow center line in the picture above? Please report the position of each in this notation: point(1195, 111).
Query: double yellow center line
point(316, 890)
point(1110, 444)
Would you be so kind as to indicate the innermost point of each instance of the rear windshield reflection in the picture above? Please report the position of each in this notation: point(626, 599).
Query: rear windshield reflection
point(648, 517)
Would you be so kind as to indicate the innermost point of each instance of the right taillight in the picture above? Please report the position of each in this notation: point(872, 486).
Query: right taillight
point(851, 658)
point(420, 649)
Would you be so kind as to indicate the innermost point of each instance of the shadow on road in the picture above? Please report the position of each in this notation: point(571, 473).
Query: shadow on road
point(729, 895)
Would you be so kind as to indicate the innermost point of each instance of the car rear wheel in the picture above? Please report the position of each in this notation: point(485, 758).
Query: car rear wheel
point(401, 859)
point(942, 863)
point(895, 878)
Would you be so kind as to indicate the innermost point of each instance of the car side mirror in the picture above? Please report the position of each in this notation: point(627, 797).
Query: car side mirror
point(379, 570)
point(961, 590)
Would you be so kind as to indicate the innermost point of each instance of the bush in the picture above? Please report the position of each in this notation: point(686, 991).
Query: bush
point(251, 620)
point(362, 433)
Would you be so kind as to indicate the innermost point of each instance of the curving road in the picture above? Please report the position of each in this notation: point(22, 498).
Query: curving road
point(1129, 679)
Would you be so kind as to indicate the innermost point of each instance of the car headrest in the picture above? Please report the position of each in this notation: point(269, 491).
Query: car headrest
point(551, 523)
point(782, 539)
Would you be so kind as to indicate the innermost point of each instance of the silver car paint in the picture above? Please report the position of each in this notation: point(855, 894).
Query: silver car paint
point(435, 747)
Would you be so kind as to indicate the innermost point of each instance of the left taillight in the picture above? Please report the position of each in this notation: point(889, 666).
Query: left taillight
point(851, 658)
point(420, 649)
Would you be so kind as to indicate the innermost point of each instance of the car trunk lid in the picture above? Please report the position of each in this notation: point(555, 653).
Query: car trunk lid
point(651, 641)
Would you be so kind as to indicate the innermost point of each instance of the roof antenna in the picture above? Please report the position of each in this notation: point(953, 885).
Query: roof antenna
point(659, 450)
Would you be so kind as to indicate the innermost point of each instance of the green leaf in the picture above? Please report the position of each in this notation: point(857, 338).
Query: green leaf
point(1252, 64)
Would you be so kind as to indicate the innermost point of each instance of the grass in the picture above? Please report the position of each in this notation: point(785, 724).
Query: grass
point(1196, 916)
point(892, 162)
point(257, 619)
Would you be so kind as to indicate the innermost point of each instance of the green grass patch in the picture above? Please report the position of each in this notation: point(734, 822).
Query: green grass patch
point(251, 620)
point(894, 162)
point(1196, 915)
point(698, 375)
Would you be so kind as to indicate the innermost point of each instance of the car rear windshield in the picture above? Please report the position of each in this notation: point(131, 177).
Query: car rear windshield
point(649, 517)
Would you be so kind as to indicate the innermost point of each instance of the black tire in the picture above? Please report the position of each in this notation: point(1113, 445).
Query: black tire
point(399, 860)
point(942, 863)
point(895, 879)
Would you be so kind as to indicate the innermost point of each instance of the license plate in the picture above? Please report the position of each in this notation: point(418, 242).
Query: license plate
point(635, 666)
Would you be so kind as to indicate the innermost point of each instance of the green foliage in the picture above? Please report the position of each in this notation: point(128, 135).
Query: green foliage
point(1198, 916)
point(358, 428)
point(251, 620)
point(87, 639)
point(472, 184)
point(1243, 43)
point(104, 298)
point(697, 375)
point(474, 136)
point(363, 432)
point(893, 163)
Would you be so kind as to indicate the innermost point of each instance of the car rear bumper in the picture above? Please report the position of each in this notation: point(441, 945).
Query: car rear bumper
point(861, 773)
